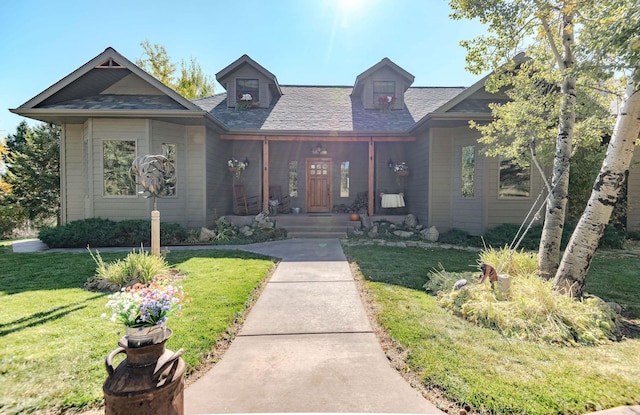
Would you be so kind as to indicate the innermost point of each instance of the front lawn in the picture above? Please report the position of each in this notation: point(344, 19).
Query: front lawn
point(53, 340)
point(479, 367)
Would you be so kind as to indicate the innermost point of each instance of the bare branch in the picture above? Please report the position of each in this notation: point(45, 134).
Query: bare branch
point(552, 44)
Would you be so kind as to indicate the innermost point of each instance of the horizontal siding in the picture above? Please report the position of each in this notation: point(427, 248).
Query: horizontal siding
point(219, 193)
point(195, 178)
point(172, 209)
point(441, 154)
point(417, 184)
point(75, 172)
point(633, 192)
point(512, 211)
point(132, 85)
point(110, 207)
point(468, 213)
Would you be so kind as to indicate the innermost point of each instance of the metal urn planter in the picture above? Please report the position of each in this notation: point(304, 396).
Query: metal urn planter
point(150, 380)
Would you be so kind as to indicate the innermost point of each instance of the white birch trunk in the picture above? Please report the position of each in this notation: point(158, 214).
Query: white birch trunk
point(572, 273)
point(549, 250)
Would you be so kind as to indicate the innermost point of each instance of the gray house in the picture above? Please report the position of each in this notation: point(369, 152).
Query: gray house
point(382, 145)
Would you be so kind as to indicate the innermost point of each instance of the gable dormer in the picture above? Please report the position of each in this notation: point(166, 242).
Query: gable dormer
point(382, 81)
point(245, 77)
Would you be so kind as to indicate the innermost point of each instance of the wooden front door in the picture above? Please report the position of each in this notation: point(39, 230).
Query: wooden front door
point(318, 185)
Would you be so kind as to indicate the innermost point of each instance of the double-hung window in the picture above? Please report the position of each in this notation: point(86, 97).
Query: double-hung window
point(515, 181)
point(246, 88)
point(384, 90)
point(118, 155)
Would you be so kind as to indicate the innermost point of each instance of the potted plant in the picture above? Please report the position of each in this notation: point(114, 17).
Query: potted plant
point(245, 101)
point(236, 166)
point(144, 310)
point(385, 103)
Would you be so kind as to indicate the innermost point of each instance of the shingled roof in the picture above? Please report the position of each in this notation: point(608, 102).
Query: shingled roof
point(328, 108)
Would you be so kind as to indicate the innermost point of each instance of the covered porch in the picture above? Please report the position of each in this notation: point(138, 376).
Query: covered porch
point(328, 174)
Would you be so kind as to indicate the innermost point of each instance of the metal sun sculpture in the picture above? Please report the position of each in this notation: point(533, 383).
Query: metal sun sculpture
point(156, 174)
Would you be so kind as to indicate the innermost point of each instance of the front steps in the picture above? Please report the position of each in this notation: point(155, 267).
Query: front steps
point(310, 225)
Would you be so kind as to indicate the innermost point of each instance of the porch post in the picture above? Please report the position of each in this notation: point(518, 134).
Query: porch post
point(370, 177)
point(265, 174)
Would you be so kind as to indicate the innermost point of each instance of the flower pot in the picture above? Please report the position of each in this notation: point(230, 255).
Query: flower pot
point(145, 336)
point(355, 217)
point(402, 173)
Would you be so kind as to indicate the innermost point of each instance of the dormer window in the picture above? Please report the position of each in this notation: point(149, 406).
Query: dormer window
point(384, 91)
point(246, 88)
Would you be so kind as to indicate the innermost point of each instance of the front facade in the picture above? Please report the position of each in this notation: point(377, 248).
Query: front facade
point(330, 149)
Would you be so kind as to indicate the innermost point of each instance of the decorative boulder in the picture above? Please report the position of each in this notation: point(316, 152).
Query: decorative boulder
point(403, 234)
point(262, 216)
point(366, 221)
point(206, 235)
point(246, 231)
point(411, 220)
point(431, 234)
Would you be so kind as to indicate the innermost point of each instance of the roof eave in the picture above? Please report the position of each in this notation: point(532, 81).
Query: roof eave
point(108, 53)
point(45, 114)
point(450, 116)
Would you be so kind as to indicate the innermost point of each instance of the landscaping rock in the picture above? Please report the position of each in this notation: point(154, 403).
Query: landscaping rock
point(206, 235)
point(431, 234)
point(366, 221)
point(411, 220)
point(246, 231)
point(403, 234)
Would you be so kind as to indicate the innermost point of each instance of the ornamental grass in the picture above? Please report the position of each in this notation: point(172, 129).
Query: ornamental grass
point(137, 267)
point(533, 309)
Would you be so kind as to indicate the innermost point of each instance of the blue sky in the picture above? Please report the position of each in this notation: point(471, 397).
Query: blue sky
point(302, 42)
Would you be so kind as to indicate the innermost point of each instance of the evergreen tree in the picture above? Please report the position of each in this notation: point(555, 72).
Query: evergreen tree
point(32, 176)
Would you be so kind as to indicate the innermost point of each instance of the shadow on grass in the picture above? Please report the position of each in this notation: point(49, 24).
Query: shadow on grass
point(42, 317)
point(45, 271)
point(408, 267)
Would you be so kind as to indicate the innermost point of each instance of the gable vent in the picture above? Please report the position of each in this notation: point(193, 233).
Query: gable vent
point(110, 63)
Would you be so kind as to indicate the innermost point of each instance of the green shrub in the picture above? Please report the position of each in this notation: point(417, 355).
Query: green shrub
point(454, 237)
point(612, 238)
point(136, 267)
point(633, 235)
point(503, 235)
point(80, 234)
point(98, 232)
point(534, 310)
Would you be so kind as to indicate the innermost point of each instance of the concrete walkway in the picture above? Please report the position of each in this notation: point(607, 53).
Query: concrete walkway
point(306, 346)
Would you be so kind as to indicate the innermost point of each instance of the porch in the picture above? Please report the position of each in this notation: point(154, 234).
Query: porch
point(322, 173)
point(316, 225)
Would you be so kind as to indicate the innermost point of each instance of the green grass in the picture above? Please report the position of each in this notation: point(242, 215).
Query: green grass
point(479, 367)
point(53, 338)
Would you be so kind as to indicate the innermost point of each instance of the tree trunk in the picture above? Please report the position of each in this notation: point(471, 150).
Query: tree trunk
point(572, 273)
point(549, 250)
